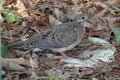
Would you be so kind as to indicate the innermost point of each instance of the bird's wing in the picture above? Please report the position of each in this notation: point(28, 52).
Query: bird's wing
point(55, 37)
point(67, 34)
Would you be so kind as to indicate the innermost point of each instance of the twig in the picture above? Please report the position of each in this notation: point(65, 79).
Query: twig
point(21, 61)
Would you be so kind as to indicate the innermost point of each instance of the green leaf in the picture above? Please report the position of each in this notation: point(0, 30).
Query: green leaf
point(5, 10)
point(10, 18)
point(52, 77)
point(118, 38)
point(116, 31)
point(17, 18)
point(4, 50)
point(105, 14)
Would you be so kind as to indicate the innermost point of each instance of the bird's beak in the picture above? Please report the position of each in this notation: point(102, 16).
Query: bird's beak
point(89, 21)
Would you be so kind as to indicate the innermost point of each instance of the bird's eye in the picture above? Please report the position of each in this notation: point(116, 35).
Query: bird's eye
point(83, 17)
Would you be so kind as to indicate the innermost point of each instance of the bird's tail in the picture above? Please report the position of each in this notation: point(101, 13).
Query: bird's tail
point(17, 45)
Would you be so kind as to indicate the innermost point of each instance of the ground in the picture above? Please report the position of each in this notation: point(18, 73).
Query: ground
point(36, 15)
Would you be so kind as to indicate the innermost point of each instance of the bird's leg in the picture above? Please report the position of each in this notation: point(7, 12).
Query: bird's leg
point(63, 54)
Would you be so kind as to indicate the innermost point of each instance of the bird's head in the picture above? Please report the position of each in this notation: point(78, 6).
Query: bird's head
point(82, 18)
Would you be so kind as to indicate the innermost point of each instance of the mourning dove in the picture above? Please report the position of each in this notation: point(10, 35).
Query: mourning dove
point(58, 38)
